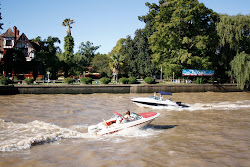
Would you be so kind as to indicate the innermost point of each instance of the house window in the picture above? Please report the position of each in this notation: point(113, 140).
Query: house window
point(25, 52)
point(8, 42)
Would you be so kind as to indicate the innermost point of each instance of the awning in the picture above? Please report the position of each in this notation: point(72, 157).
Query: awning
point(165, 93)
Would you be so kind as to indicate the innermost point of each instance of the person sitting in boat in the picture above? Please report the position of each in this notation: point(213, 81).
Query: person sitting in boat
point(127, 117)
point(155, 96)
point(161, 98)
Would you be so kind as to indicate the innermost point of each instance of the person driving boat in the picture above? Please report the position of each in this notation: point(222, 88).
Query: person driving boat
point(127, 117)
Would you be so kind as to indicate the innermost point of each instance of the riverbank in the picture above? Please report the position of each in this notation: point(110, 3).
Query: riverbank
point(128, 88)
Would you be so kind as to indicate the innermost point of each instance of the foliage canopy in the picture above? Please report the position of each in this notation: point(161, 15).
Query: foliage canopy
point(46, 58)
point(85, 53)
point(241, 69)
point(138, 55)
point(183, 35)
point(234, 31)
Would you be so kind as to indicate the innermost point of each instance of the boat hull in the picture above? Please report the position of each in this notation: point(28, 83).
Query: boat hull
point(150, 102)
point(154, 101)
point(100, 129)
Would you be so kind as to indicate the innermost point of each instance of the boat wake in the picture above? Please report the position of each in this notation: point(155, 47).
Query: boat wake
point(227, 105)
point(23, 136)
point(17, 136)
point(135, 132)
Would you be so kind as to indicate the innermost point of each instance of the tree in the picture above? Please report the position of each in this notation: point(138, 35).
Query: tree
point(100, 63)
point(241, 69)
point(14, 61)
point(119, 48)
point(149, 19)
point(233, 32)
point(183, 35)
point(1, 24)
point(67, 23)
point(46, 56)
point(68, 53)
point(117, 57)
point(85, 54)
point(68, 47)
point(138, 55)
point(116, 63)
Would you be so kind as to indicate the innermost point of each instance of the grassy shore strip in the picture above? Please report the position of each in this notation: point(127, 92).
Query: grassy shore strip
point(115, 88)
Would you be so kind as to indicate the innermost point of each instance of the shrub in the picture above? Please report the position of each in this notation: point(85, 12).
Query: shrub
point(68, 80)
point(86, 80)
point(15, 78)
point(39, 79)
point(132, 80)
point(149, 80)
point(105, 80)
point(4, 81)
point(29, 80)
point(123, 80)
point(199, 80)
point(20, 77)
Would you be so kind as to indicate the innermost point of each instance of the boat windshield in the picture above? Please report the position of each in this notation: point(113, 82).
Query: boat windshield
point(135, 116)
point(114, 117)
point(154, 97)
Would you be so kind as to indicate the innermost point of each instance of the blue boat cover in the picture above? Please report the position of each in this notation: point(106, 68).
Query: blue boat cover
point(165, 93)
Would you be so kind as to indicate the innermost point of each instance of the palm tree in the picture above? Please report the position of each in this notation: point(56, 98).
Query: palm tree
point(67, 22)
point(116, 62)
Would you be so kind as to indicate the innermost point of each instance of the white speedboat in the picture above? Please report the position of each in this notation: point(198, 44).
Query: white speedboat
point(157, 101)
point(117, 123)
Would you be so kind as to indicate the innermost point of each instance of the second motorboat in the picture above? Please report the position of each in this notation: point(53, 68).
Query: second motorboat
point(159, 101)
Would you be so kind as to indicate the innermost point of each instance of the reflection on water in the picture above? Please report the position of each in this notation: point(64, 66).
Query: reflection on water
point(51, 130)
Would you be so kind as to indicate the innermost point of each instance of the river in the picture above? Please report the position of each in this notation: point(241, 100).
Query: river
point(51, 130)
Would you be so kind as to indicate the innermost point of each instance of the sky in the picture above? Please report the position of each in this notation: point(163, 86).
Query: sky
point(102, 22)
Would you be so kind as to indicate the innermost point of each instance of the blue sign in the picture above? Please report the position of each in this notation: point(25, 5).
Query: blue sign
point(193, 72)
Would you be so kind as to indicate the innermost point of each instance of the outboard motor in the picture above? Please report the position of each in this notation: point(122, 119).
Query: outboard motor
point(93, 129)
point(178, 103)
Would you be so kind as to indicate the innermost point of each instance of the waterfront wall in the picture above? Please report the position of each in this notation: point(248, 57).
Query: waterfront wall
point(87, 89)
point(185, 88)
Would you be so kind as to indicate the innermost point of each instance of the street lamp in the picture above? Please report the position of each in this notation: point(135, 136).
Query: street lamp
point(48, 77)
point(173, 76)
point(161, 73)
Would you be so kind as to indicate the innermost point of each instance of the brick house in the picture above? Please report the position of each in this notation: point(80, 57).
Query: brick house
point(12, 39)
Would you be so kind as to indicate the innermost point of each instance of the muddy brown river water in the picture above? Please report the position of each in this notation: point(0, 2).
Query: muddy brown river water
point(51, 130)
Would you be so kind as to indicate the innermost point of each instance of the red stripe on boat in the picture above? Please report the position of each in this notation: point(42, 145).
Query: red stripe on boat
point(117, 113)
point(147, 114)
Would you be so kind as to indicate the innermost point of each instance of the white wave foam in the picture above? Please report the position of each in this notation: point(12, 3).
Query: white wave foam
point(207, 106)
point(23, 136)
point(16, 137)
point(135, 132)
point(227, 105)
